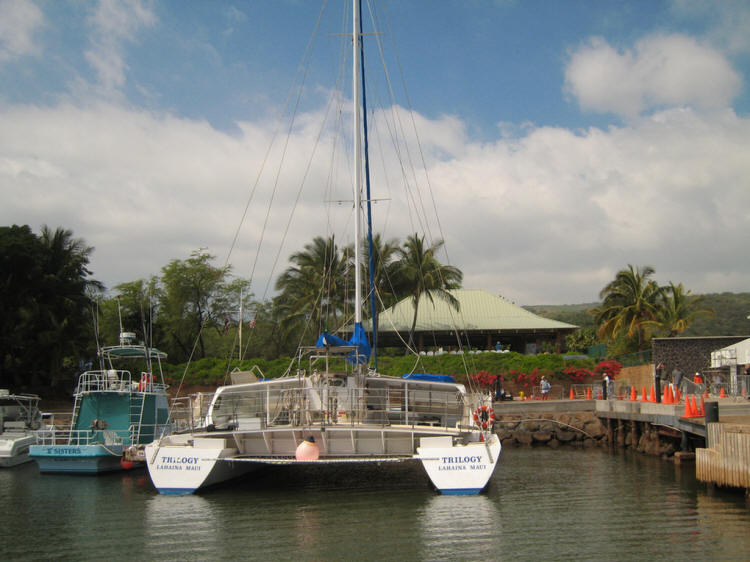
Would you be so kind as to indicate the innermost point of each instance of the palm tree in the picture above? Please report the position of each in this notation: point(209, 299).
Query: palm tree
point(419, 273)
point(384, 264)
point(62, 304)
point(629, 305)
point(677, 310)
point(314, 291)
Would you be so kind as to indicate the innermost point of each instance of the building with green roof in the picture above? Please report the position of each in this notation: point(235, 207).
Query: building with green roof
point(482, 320)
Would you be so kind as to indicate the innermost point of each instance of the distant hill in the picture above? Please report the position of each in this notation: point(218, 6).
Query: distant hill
point(730, 314)
point(576, 314)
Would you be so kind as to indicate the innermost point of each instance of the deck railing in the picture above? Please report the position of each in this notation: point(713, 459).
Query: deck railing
point(65, 435)
point(119, 381)
point(321, 404)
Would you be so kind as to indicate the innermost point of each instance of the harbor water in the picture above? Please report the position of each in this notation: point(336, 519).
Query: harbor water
point(548, 504)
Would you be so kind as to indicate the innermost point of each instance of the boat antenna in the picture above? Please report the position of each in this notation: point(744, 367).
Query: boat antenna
point(239, 331)
point(119, 315)
point(95, 320)
point(146, 348)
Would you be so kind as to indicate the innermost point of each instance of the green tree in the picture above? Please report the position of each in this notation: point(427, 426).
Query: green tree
point(189, 303)
point(44, 306)
point(315, 289)
point(136, 304)
point(420, 274)
point(581, 340)
point(385, 253)
point(64, 308)
point(629, 306)
point(21, 258)
point(677, 310)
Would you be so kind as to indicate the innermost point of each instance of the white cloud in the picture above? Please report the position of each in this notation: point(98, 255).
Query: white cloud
point(659, 72)
point(114, 23)
point(547, 216)
point(20, 20)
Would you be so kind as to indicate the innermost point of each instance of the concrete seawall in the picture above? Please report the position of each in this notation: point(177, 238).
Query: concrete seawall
point(550, 423)
point(653, 429)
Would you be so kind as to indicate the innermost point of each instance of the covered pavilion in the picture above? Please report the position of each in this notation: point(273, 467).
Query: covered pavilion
point(482, 320)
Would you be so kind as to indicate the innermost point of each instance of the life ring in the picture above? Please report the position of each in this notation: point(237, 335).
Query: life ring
point(484, 417)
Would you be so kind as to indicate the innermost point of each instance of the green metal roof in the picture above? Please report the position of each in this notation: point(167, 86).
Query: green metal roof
point(479, 310)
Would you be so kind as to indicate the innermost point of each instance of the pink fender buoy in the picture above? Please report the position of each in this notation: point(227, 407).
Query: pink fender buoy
point(126, 465)
point(307, 450)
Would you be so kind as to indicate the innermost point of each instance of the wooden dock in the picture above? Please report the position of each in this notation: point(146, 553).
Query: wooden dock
point(726, 459)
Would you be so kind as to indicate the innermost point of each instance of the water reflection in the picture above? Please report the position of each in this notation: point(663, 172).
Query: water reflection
point(464, 527)
point(542, 504)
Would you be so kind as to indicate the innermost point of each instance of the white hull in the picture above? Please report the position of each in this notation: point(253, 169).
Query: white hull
point(183, 464)
point(14, 449)
point(459, 469)
point(186, 463)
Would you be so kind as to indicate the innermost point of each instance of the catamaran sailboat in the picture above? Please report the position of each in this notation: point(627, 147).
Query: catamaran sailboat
point(332, 410)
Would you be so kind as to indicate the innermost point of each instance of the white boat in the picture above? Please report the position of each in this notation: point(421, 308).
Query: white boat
point(331, 410)
point(19, 419)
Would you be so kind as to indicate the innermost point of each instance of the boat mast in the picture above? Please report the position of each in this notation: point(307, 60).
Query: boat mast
point(368, 200)
point(356, 42)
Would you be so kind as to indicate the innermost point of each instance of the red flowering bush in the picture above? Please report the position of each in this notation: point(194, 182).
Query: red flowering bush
point(483, 379)
point(609, 367)
point(577, 374)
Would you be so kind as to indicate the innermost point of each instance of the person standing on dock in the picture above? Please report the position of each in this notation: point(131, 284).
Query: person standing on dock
point(677, 376)
point(658, 376)
point(545, 386)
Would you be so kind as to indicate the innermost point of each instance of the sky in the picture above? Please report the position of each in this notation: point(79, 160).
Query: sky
point(549, 144)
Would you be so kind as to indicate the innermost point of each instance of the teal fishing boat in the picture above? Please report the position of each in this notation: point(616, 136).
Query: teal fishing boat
point(115, 413)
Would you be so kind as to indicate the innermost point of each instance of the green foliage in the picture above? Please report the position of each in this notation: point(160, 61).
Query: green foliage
point(213, 371)
point(576, 314)
point(419, 273)
point(729, 318)
point(194, 298)
point(629, 307)
point(45, 318)
point(581, 340)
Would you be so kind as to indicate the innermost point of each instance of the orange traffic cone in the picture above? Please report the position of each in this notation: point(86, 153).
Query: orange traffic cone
point(588, 393)
point(677, 396)
point(668, 398)
point(652, 395)
point(722, 394)
point(599, 394)
point(644, 396)
point(702, 411)
point(694, 406)
point(572, 395)
point(633, 394)
point(688, 413)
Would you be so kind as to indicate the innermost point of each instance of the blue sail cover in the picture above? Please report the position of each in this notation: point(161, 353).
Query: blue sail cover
point(359, 339)
point(429, 377)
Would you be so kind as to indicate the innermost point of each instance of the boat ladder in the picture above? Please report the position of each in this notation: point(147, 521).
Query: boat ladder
point(137, 403)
